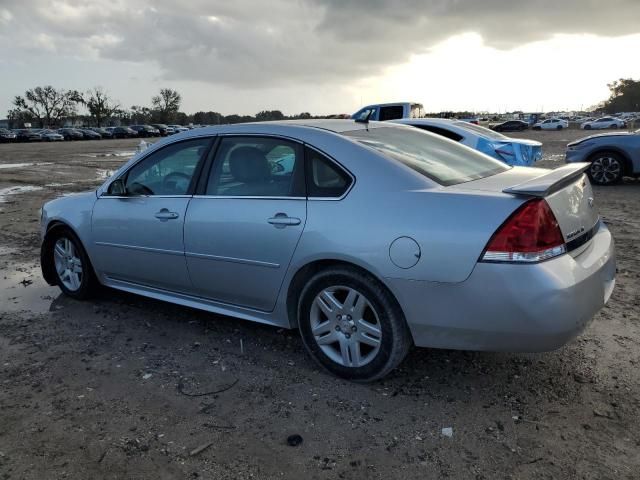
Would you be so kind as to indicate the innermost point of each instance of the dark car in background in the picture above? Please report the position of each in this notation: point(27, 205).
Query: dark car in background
point(89, 134)
point(71, 134)
point(611, 155)
point(123, 132)
point(27, 135)
point(145, 130)
point(510, 126)
point(103, 132)
point(163, 129)
point(7, 135)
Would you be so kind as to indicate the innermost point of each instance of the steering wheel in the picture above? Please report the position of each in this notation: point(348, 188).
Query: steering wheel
point(172, 179)
point(139, 189)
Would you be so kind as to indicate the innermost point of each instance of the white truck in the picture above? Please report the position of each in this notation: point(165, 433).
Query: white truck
point(389, 111)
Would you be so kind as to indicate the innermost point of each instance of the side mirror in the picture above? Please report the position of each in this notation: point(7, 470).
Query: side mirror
point(117, 188)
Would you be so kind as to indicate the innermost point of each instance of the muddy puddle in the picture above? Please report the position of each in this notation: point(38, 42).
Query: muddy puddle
point(109, 155)
point(4, 166)
point(23, 288)
point(16, 189)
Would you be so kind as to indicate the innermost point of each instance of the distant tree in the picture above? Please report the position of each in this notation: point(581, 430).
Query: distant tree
point(166, 105)
point(268, 115)
point(138, 114)
point(47, 104)
point(302, 116)
point(17, 118)
point(207, 118)
point(625, 96)
point(100, 105)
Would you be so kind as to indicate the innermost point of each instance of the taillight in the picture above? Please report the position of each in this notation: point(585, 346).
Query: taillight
point(530, 234)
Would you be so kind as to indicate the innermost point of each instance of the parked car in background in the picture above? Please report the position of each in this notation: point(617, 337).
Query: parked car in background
point(611, 155)
point(163, 129)
point(389, 111)
point(103, 132)
point(179, 128)
point(27, 135)
point(89, 134)
point(123, 132)
point(473, 121)
point(551, 124)
point(145, 131)
point(510, 126)
point(469, 247)
point(51, 136)
point(511, 151)
point(71, 134)
point(7, 135)
point(602, 123)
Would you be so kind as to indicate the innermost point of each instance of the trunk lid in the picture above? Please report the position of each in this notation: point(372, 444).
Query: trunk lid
point(567, 190)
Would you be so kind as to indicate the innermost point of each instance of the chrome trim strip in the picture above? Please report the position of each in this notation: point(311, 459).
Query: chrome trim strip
point(139, 248)
point(105, 195)
point(240, 197)
point(245, 261)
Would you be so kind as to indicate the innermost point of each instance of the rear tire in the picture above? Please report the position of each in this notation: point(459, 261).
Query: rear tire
point(587, 127)
point(607, 168)
point(351, 324)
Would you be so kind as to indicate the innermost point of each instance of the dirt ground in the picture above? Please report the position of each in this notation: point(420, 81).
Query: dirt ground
point(105, 389)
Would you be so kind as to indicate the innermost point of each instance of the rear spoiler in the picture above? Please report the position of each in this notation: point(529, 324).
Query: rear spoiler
point(550, 182)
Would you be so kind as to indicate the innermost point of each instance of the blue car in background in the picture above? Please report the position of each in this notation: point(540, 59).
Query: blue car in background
point(512, 151)
point(611, 155)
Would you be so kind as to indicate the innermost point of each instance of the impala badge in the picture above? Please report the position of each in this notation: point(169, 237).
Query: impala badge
point(590, 200)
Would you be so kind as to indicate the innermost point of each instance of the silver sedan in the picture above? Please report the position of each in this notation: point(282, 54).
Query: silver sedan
point(367, 237)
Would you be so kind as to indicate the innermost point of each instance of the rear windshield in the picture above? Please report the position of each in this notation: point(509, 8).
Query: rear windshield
point(437, 158)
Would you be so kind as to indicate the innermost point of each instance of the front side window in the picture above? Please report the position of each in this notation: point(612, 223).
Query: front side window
point(444, 162)
point(168, 171)
point(257, 167)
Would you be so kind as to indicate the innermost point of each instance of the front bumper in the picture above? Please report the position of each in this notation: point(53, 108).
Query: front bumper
point(511, 307)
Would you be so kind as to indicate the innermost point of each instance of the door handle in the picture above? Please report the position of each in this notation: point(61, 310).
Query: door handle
point(281, 220)
point(164, 215)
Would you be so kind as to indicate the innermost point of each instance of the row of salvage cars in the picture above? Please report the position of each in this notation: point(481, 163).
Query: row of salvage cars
point(367, 237)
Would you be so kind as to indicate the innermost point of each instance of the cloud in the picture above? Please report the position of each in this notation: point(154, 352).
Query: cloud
point(248, 44)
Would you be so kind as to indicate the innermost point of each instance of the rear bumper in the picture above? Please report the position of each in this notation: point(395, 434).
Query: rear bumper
point(509, 307)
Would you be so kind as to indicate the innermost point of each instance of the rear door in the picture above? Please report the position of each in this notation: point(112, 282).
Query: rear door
point(241, 232)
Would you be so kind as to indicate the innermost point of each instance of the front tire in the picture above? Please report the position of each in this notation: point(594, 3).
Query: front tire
point(351, 324)
point(606, 168)
point(71, 266)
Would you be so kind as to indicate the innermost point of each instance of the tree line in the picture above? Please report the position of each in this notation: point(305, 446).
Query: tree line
point(49, 107)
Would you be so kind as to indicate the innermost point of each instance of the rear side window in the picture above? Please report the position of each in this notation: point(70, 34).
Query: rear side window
point(444, 162)
point(443, 132)
point(391, 113)
point(325, 179)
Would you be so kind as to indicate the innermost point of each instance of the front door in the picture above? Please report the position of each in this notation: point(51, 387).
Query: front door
point(138, 236)
point(241, 234)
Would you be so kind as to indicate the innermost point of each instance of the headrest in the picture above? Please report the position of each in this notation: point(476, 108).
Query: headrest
point(249, 165)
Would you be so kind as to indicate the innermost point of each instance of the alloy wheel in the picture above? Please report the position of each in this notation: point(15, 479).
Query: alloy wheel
point(345, 326)
point(68, 264)
point(605, 169)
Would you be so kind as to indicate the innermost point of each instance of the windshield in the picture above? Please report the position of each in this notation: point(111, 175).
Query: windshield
point(485, 132)
point(437, 158)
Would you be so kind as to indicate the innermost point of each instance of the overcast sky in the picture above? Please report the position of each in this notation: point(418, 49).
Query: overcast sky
point(324, 56)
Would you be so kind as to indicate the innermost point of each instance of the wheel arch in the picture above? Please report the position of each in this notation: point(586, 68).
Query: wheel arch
point(305, 272)
point(46, 259)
